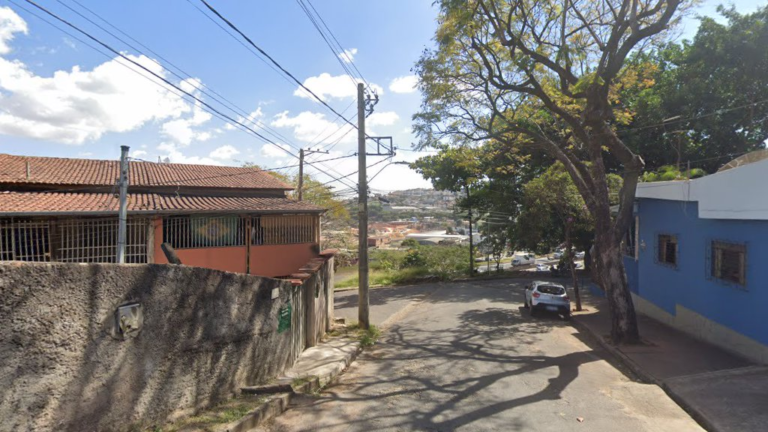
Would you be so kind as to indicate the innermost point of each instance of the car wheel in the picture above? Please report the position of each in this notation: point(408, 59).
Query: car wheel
point(567, 316)
point(533, 310)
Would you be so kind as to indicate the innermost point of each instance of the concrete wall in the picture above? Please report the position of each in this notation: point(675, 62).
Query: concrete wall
point(205, 334)
point(687, 286)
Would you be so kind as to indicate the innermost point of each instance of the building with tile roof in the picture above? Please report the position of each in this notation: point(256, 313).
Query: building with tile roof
point(227, 218)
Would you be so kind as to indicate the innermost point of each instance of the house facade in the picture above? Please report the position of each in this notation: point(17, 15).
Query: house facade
point(696, 257)
point(225, 218)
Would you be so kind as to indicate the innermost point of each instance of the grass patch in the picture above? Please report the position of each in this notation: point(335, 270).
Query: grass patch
point(227, 412)
point(368, 337)
point(388, 277)
point(300, 381)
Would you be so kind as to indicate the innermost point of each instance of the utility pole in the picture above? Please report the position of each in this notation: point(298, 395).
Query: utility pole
point(471, 246)
point(303, 153)
point(123, 211)
point(363, 302)
point(301, 173)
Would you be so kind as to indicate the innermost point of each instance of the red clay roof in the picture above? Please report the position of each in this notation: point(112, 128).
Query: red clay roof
point(88, 172)
point(32, 203)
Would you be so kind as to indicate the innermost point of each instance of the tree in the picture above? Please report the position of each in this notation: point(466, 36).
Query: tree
point(554, 212)
point(546, 74)
point(705, 95)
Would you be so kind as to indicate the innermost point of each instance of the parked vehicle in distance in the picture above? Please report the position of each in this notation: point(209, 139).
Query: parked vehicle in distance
point(542, 267)
point(579, 254)
point(557, 255)
point(524, 260)
point(547, 296)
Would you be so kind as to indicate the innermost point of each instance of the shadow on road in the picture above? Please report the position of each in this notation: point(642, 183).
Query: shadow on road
point(451, 366)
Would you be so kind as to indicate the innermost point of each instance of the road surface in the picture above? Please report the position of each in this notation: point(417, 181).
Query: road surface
point(467, 356)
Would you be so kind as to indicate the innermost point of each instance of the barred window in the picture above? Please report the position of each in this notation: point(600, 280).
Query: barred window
point(667, 249)
point(283, 229)
point(84, 240)
point(25, 240)
point(201, 231)
point(729, 262)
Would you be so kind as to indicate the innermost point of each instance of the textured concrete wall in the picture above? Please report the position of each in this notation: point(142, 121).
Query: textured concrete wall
point(205, 334)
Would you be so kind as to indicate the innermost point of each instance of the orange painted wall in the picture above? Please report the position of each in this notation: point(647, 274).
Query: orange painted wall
point(280, 260)
point(270, 261)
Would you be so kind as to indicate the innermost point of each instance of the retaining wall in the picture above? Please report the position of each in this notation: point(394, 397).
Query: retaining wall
point(205, 333)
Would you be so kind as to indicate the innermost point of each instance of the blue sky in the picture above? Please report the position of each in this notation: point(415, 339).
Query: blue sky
point(59, 97)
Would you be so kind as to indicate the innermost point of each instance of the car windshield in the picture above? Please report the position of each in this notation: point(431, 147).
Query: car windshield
point(550, 289)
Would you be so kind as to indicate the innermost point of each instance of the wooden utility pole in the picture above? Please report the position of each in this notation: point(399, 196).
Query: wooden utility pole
point(301, 172)
point(362, 214)
point(123, 210)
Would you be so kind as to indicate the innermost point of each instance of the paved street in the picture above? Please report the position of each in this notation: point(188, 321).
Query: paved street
point(467, 356)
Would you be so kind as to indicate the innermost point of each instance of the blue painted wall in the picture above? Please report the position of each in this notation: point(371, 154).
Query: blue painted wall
point(630, 268)
point(743, 309)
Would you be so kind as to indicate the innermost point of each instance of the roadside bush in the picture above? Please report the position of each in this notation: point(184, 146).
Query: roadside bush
point(414, 258)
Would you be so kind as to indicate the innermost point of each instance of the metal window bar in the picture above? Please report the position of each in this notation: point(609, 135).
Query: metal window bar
point(188, 232)
point(283, 229)
point(95, 240)
point(24, 240)
point(729, 262)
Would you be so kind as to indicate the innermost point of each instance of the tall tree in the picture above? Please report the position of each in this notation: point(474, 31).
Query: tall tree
point(708, 96)
point(545, 73)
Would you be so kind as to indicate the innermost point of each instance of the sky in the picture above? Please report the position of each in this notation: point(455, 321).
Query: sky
point(60, 97)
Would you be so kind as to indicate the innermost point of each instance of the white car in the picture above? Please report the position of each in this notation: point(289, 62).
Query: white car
point(524, 260)
point(548, 296)
point(542, 267)
point(579, 254)
point(557, 255)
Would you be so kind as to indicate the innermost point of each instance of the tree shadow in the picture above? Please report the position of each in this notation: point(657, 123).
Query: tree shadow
point(426, 377)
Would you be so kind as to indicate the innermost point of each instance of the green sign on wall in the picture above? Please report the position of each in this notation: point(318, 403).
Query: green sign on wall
point(284, 318)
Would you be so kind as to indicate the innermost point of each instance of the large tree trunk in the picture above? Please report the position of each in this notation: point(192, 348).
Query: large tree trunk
point(609, 269)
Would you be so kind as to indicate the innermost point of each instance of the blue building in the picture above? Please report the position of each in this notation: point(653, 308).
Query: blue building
point(697, 257)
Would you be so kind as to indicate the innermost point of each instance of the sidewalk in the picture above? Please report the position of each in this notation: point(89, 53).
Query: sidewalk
point(720, 390)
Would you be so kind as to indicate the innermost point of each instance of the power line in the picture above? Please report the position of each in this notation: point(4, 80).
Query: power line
point(210, 108)
point(278, 65)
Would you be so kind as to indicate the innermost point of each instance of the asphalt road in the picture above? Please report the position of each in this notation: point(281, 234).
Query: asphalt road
point(467, 356)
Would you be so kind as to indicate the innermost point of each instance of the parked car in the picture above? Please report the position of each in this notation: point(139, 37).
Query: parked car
point(548, 296)
point(542, 267)
point(557, 255)
point(579, 254)
point(524, 260)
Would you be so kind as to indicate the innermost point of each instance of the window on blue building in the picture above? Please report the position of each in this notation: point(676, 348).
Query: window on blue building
point(667, 249)
point(729, 262)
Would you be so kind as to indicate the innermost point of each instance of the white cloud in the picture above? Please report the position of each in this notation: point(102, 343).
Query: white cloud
point(224, 152)
point(348, 56)
point(252, 120)
point(10, 23)
point(79, 105)
point(311, 126)
point(273, 150)
point(174, 154)
point(181, 130)
point(327, 86)
point(385, 118)
point(404, 84)
point(138, 153)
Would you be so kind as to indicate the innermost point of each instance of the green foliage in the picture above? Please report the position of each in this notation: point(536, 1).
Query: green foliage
point(409, 243)
point(550, 200)
point(369, 337)
point(670, 173)
point(696, 84)
point(414, 258)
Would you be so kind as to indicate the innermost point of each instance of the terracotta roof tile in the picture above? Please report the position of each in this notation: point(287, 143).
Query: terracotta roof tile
point(30, 203)
point(87, 172)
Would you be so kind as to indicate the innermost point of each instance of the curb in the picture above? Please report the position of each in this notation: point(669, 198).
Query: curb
point(279, 403)
point(627, 362)
point(647, 378)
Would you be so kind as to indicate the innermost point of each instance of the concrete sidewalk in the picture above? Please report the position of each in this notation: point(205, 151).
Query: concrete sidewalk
point(720, 390)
